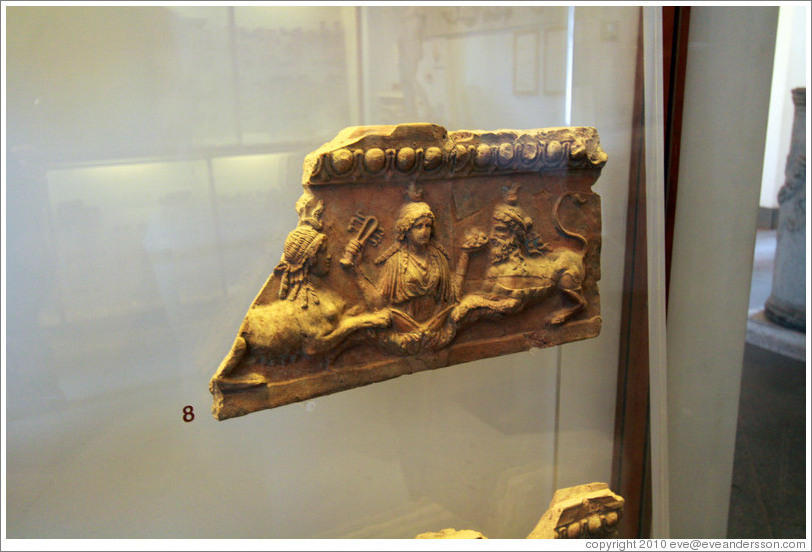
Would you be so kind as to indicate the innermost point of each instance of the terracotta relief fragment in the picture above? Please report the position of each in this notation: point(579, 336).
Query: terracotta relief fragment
point(451, 247)
point(590, 511)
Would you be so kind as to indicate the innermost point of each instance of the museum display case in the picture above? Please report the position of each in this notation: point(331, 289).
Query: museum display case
point(154, 158)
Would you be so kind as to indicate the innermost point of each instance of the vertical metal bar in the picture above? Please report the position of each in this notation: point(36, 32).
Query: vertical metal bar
point(655, 177)
point(630, 464)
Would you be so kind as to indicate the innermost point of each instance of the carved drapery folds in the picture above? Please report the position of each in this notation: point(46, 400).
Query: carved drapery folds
point(452, 246)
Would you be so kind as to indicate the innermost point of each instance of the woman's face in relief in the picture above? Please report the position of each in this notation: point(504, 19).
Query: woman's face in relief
point(420, 232)
point(321, 262)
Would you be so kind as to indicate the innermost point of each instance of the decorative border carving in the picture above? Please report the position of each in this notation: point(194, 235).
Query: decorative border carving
point(369, 153)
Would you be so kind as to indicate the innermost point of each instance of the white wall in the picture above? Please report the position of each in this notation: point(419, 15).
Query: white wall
point(789, 71)
point(730, 54)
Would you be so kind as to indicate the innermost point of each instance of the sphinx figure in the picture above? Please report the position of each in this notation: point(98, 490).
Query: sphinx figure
point(307, 318)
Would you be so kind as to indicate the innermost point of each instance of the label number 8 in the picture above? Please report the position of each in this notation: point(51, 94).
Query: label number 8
point(188, 413)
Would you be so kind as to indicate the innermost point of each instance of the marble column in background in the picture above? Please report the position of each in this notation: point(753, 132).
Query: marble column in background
point(787, 302)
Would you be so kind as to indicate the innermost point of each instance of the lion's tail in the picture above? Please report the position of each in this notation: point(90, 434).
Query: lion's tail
point(582, 241)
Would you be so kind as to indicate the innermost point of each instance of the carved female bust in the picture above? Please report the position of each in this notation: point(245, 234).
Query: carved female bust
point(416, 277)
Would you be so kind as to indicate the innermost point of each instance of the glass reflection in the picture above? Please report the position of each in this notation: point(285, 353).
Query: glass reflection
point(154, 156)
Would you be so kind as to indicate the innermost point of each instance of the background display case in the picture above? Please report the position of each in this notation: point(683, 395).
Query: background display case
point(160, 169)
point(153, 158)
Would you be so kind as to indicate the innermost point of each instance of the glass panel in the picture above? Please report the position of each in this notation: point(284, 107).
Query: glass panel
point(155, 157)
point(456, 66)
point(605, 45)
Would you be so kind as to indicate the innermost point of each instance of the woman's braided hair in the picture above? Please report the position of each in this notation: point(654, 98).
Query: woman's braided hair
point(301, 247)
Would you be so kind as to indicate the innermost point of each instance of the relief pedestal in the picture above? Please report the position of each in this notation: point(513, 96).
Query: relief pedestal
point(450, 247)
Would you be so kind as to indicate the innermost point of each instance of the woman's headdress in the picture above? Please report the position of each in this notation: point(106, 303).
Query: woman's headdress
point(412, 210)
point(409, 213)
